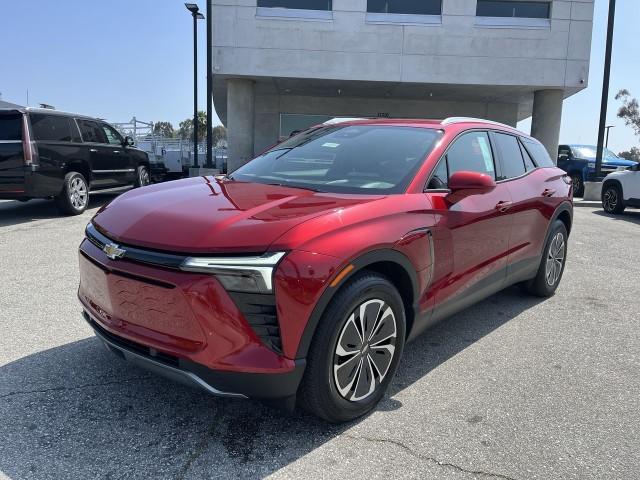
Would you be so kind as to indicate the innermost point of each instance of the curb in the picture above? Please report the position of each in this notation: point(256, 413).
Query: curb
point(587, 203)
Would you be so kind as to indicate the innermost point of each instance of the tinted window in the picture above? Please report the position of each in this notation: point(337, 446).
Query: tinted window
point(300, 4)
point(509, 8)
point(113, 137)
point(538, 153)
point(529, 164)
point(351, 159)
point(52, 128)
point(510, 156)
point(414, 7)
point(91, 131)
point(11, 127)
point(471, 152)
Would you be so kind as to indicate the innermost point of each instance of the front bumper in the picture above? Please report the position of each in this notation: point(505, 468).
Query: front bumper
point(224, 384)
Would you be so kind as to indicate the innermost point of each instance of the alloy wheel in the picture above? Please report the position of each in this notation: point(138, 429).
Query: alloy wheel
point(78, 193)
point(610, 200)
point(365, 350)
point(143, 177)
point(555, 259)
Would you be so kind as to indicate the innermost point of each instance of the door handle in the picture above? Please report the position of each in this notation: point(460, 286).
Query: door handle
point(503, 206)
point(117, 152)
point(548, 192)
point(93, 150)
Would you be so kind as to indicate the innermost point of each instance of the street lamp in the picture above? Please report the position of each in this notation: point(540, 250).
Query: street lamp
point(195, 13)
point(606, 142)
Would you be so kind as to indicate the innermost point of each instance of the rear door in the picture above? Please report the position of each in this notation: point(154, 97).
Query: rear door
point(11, 153)
point(104, 163)
point(471, 236)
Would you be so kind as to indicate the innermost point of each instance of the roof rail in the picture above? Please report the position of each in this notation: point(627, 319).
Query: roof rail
point(337, 120)
point(451, 120)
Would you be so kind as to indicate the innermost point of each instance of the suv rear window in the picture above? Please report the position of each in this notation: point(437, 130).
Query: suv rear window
point(52, 128)
point(11, 126)
point(538, 153)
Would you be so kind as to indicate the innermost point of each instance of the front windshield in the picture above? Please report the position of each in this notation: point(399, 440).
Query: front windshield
point(366, 159)
point(590, 153)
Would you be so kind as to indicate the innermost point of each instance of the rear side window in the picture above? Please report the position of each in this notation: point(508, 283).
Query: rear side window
point(510, 156)
point(11, 127)
point(91, 131)
point(529, 164)
point(538, 153)
point(471, 152)
point(52, 128)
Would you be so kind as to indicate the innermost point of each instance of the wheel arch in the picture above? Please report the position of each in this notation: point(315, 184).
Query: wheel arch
point(613, 181)
point(80, 166)
point(387, 262)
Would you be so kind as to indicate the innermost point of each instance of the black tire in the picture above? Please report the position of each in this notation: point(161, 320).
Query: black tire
point(546, 281)
point(319, 391)
point(612, 199)
point(74, 197)
point(143, 177)
point(578, 184)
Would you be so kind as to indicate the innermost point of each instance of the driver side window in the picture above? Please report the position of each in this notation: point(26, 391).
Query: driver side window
point(469, 152)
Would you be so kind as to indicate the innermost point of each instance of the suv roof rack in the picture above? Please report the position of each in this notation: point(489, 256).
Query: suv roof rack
point(451, 120)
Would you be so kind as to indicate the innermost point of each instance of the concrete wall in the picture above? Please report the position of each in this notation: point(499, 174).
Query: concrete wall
point(455, 51)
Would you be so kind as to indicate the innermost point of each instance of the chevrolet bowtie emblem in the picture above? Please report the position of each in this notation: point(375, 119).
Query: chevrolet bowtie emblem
point(113, 251)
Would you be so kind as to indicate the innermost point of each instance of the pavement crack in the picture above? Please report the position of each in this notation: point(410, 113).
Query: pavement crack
point(429, 459)
point(75, 387)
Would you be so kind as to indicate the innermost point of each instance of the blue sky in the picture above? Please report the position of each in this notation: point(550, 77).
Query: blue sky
point(118, 58)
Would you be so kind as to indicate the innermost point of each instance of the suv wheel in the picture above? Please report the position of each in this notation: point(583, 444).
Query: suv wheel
point(74, 198)
point(578, 184)
point(552, 263)
point(612, 200)
point(142, 176)
point(355, 351)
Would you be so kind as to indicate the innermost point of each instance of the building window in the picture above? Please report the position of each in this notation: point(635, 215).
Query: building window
point(408, 7)
point(301, 9)
point(513, 9)
point(404, 11)
point(513, 13)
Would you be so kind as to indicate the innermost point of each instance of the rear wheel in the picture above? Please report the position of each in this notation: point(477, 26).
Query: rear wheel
point(552, 263)
point(74, 198)
point(142, 176)
point(578, 184)
point(612, 200)
point(355, 351)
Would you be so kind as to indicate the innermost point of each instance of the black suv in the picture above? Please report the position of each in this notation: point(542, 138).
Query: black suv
point(45, 153)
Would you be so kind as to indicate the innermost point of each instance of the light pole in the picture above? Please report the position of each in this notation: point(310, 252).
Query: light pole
point(209, 84)
point(606, 142)
point(605, 86)
point(195, 13)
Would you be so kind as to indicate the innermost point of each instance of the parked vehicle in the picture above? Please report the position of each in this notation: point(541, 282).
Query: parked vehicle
point(579, 161)
point(621, 189)
point(45, 153)
point(300, 276)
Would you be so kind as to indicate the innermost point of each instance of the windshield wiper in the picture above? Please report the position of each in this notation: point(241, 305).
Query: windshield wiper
point(293, 186)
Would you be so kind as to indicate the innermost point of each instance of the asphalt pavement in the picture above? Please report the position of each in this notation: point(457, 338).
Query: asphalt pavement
point(514, 387)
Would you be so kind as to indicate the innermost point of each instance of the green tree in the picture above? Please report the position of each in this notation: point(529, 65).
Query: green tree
point(219, 133)
point(185, 128)
point(633, 154)
point(629, 111)
point(163, 129)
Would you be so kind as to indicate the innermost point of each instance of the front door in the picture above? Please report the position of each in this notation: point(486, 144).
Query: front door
point(126, 172)
point(471, 236)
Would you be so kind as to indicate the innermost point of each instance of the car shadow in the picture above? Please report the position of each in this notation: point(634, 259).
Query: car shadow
point(13, 212)
point(77, 411)
point(629, 215)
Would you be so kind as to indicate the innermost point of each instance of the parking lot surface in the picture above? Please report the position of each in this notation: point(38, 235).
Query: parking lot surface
point(513, 388)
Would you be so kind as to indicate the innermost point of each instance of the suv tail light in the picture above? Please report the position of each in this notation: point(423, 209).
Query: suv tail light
point(31, 157)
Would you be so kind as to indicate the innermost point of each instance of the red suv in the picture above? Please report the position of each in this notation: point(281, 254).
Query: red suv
point(302, 275)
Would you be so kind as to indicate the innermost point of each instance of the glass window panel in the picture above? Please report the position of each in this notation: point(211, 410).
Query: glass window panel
point(411, 7)
point(506, 8)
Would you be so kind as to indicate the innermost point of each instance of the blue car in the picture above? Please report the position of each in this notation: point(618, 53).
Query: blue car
point(579, 161)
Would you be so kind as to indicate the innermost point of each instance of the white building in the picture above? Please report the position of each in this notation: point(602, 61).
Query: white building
point(283, 65)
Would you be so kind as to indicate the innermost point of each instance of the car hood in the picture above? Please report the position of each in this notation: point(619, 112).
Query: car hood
point(207, 215)
point(616, 163)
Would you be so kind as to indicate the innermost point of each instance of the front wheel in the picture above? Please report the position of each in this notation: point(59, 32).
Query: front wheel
point(578, 184)
point(612, 200)
point(355, 351)
point(142, 176)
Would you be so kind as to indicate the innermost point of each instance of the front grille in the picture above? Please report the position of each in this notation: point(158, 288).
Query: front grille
point(259, 310)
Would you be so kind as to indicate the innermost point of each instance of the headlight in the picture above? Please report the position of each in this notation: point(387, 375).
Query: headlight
point(238, 274)
point(591, 164)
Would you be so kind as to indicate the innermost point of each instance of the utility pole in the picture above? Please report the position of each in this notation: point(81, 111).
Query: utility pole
point(606, 142)
point(605, 87)
point(209, 84)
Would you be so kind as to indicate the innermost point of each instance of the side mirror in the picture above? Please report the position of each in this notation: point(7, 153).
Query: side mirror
point(563, 156)
point(128, 141)
point(471, 182)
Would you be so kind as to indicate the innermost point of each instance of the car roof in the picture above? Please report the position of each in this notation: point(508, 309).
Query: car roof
point(50, 111)
point(465, 122)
